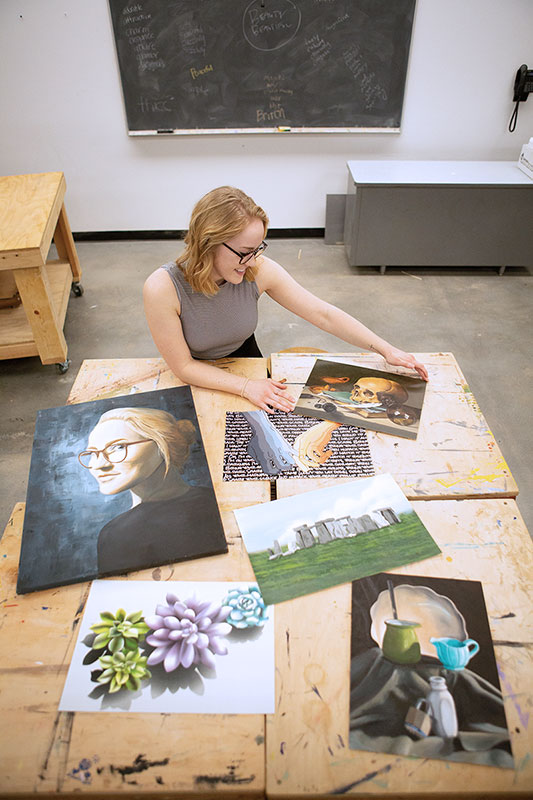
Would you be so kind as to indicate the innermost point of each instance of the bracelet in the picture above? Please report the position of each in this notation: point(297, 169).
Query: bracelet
point(245, 384)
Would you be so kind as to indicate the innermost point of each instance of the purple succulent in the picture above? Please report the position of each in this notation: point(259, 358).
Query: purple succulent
point(187, 632)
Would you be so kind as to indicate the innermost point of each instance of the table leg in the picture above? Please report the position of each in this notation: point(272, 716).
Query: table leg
point(65, 244)
point(34, 289)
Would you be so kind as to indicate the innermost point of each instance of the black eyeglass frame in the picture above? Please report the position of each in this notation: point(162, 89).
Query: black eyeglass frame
point(96, 453)
point(245, 257)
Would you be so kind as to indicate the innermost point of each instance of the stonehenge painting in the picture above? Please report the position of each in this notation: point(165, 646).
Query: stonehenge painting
point(327, 530)
point(307, 542)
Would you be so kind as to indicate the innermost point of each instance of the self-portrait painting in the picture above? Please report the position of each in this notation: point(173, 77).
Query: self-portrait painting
point(117, 485)
point(371, 398)
point(424, 678)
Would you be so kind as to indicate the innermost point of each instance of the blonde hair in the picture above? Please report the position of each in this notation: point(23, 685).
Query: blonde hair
point(173, 437)
point(219, 215)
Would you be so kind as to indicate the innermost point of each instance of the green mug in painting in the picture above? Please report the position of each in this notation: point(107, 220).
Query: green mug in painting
point(453, 653)
point(400, 642)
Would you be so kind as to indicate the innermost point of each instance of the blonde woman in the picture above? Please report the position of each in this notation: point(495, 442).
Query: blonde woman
point(144, 450)
point(204, 305)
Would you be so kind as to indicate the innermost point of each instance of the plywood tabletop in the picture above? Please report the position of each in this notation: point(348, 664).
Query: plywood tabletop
point(29, 209)
point(455, 454)
point(307, 739)
point(307, 753)
point(157, 754)
point(60, 753)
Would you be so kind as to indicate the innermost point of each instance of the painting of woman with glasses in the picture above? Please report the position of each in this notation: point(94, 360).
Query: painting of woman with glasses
point(143, 451)
point(203, 305)
point(117, 484)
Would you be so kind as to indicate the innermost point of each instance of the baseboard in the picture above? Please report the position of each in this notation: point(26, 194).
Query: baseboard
point(109, 236)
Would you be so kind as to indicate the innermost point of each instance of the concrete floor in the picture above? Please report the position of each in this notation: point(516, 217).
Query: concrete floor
point(484, 319)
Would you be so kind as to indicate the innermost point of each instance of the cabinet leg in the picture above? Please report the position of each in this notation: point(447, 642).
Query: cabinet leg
point(382, 269)
point(501, 270)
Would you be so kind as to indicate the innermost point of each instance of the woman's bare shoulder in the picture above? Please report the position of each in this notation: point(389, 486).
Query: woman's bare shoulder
point(158, 280)
point(158, 286)
point(268, 271)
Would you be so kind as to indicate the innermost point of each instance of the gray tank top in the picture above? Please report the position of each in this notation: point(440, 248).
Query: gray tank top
point(215, 326)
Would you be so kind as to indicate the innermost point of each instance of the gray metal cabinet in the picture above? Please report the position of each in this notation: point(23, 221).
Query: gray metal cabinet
point(438, 213)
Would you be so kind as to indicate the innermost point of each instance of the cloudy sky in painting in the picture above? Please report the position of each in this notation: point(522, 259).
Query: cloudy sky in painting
point(261, 524)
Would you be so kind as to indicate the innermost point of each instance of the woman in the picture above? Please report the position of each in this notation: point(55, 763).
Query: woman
point(204, 305)
point(144, 450)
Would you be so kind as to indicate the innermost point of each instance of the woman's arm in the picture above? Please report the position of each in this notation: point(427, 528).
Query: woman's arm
point(281, 287)
point(162, 311)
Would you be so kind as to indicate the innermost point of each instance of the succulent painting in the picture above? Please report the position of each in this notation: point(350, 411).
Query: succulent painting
point(124, 670)
point(119, 631)
point(187, 632)
point(247, 606)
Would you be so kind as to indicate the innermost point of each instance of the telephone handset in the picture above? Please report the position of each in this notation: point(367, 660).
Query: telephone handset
point(523, 85)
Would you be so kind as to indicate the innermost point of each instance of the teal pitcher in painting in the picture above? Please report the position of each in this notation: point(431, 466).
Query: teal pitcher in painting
point(454, 654)
point(400, 642)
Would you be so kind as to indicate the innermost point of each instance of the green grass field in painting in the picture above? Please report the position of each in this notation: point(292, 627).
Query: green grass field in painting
point(342, 560)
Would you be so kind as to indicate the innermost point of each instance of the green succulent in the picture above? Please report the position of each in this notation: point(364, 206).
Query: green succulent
point(124, 670)
point(119, 632)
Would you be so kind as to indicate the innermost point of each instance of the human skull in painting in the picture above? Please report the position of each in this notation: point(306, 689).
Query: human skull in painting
point(378, 391)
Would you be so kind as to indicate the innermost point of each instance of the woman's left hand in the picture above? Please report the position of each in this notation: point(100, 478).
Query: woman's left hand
point(400, 359)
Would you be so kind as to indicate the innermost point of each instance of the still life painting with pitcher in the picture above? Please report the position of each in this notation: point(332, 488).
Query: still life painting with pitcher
point(424, 680)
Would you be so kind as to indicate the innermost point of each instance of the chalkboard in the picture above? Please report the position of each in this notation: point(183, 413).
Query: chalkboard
point(206, 66)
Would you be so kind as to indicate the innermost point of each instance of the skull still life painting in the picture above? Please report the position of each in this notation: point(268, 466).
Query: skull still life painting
point(117, 485)
point(424, 680)
point(353, 395)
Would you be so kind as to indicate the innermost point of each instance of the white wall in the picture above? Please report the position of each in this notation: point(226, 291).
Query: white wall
point(61, 109)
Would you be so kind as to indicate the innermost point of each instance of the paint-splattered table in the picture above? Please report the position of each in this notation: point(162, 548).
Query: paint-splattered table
point(46, 752)
point(307, 739)
point(307, 755)
point(455, 454)
point(55, 753)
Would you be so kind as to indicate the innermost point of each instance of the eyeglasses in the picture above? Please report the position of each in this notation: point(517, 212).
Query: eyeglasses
point(245, 257)
point(113, 453)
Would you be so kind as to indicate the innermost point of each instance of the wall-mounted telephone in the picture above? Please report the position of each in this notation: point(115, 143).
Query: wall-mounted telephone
point(523, 85)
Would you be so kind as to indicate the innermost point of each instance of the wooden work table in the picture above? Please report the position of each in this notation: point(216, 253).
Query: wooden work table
point(301, 750)
point(32, 213)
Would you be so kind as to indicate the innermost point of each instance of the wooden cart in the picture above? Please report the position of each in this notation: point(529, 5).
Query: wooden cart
point(34, 291)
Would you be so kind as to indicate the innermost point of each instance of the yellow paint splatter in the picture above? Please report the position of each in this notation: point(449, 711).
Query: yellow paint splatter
point(472, 477)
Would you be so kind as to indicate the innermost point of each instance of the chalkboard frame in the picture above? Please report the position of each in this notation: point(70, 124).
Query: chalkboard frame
point(139, 16)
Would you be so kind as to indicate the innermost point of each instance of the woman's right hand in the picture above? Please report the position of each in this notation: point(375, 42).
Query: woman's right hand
point(269, 395)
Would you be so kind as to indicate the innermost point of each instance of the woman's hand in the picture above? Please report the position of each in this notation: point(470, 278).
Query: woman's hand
point(268, 395)
point(400, 359)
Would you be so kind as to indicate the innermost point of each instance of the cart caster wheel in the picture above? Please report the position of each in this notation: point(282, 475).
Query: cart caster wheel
point(77, 289)
point(63, 367)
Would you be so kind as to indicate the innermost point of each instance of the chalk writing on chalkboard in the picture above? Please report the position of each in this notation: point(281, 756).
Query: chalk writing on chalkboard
point(202, 66)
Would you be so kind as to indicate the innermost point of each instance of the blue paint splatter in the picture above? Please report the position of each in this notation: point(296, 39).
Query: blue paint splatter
point(82, 772)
